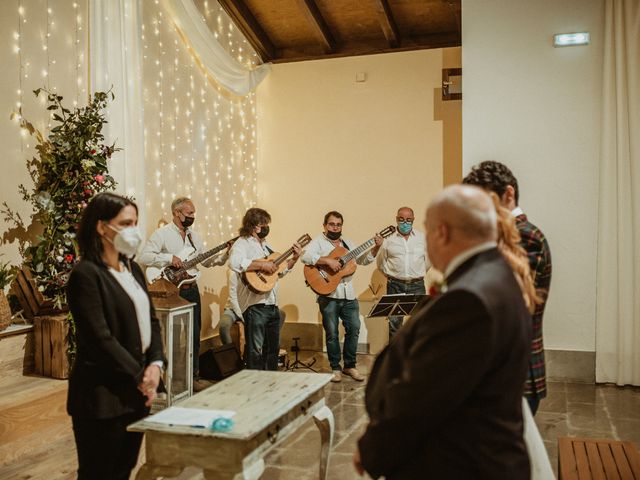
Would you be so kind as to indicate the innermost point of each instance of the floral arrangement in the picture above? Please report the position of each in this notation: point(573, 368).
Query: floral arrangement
point(70, 167)
point(7, 274)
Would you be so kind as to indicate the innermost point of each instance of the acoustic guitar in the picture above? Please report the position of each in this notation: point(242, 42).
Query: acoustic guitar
point(262, 282)
point(180, 275)
point(322, 280)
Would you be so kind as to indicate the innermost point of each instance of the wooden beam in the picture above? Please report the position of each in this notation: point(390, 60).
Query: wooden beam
point(249, 26)
point(388, 24)
point(314, 16)
point(370, 47)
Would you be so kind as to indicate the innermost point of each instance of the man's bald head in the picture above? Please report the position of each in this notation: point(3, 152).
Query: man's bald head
point(458, 218)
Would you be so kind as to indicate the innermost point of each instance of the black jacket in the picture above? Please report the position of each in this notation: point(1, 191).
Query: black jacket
point(445, 397)
point(109, 362)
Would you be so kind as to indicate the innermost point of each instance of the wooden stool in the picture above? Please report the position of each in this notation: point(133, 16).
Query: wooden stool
point(590, 458)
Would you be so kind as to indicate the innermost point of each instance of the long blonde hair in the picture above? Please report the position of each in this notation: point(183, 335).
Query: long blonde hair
point(516, 256)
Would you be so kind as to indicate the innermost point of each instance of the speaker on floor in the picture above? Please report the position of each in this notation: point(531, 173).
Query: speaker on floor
point(220, 362)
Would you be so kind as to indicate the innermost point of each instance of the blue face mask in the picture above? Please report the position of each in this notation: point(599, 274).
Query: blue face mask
point(404, 228)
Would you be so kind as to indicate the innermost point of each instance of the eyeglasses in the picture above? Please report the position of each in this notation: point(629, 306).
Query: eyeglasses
point(404, 220)
point(334, 225)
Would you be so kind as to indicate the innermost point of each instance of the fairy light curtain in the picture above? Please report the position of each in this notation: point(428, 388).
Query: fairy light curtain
point(199, 137)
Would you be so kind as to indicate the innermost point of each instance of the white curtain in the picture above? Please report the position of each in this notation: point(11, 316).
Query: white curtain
point(226, 70)
point(618, 279)
point(116, 63)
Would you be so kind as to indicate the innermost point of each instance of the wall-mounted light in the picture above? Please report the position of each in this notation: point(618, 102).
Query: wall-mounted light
point(570, 39)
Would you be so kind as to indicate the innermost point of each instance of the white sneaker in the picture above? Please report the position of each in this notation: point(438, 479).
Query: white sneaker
point(353, 373)
point(337, 376)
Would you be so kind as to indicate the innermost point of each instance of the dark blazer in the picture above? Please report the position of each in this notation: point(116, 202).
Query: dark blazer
point(445, 397)
point(109, 362)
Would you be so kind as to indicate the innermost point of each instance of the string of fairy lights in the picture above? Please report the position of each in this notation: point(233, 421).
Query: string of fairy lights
point(200, 140)
point(33, 24)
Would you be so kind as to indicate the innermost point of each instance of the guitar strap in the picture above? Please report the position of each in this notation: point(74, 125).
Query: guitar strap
point(344, 244)
point(268, 249)
point(191, 241)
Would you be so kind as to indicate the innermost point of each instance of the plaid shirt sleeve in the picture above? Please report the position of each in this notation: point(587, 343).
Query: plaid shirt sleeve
point(537, 248)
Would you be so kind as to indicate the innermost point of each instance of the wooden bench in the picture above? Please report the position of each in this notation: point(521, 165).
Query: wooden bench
point(590, 458)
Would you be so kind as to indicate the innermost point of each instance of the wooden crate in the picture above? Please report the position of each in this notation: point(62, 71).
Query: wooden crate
point(591, 459)
point(51, 345)
point(31, 300)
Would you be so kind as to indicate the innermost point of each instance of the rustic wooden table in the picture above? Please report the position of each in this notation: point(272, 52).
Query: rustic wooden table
point(269, 407)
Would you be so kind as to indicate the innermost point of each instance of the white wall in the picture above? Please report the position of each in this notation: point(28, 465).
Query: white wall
point(327, 142)
point(536, 108)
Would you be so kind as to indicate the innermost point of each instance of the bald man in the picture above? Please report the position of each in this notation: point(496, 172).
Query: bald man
point(447, 392)
point(402, 258)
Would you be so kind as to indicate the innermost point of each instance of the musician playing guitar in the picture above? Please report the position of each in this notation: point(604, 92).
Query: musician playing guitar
point(170, 245)
point(259, 309)
point(341, 303)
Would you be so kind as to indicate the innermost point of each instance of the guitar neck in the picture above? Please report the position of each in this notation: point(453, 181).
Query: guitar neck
point(203, 256)
point(356, 252)
point(283, 257)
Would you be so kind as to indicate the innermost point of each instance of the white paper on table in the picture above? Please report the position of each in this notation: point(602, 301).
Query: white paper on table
point(191, 417)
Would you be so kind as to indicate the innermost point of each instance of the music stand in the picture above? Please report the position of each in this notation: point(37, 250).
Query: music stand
point(399, 304)
point(297, 363)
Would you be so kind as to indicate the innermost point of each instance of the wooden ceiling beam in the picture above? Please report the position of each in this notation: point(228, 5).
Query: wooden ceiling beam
point(249, 26)
point(387, 22)
point(312, 12)
point(419, 42)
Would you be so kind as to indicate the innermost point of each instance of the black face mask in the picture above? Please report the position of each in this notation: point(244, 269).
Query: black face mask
point(188, 221)
point(264, 231)
point(333, 235)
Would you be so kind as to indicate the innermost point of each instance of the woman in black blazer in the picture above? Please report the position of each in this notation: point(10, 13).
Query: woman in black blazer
point(119, 349)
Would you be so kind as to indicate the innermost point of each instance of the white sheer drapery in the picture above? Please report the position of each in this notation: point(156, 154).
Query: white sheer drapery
point(225, 69)
point(116, 63)
point(618, 279)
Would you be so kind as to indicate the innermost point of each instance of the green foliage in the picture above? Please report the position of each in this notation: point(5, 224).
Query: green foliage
point(69, 169)
point(7, 274)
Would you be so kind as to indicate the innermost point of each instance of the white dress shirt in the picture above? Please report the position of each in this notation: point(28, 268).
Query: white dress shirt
point(167, 241)
point(140, 301)
point(244, 251)
point(232, 300)
point(321, 246)
point(404, 259)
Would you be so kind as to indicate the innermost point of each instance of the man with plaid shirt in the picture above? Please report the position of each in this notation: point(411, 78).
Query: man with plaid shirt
point(496, 177)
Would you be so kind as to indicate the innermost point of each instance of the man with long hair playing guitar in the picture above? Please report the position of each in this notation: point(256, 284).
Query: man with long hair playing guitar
point(342, 302)
point(259, 308)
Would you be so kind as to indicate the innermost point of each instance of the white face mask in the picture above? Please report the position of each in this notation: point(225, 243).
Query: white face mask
point(127, 241)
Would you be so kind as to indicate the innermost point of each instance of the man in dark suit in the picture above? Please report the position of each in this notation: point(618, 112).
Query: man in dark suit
point(445, 397)
point(498, 178)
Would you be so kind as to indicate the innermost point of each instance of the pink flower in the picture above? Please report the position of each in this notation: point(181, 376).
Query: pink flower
point(99, 178)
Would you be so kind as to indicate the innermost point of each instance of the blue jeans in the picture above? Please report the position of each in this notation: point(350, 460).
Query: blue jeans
point(332, 310)
point(193, 295)
point(262, 336)
point(394, 287)
point(229, 318)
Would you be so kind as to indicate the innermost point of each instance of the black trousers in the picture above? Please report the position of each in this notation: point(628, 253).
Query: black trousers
point(106, 451)
point(192, 294)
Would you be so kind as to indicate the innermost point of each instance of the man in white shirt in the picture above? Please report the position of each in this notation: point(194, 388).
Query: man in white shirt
point(402, 258)
point(170, 245)
point(259, 310)
point(342, 302)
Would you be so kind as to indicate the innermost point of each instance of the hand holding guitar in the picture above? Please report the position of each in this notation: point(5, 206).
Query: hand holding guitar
point(297, 251)
point(333, 264)
point(268, 267)
point(176, 262)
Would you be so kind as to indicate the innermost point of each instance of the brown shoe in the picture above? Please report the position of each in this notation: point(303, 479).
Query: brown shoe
point(353, 373)
point(337, 376)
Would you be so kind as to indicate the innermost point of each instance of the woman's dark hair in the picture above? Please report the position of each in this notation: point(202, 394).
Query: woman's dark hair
point(493, 176)
point(253, 218)
point(332, 213)
point(103, 207)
